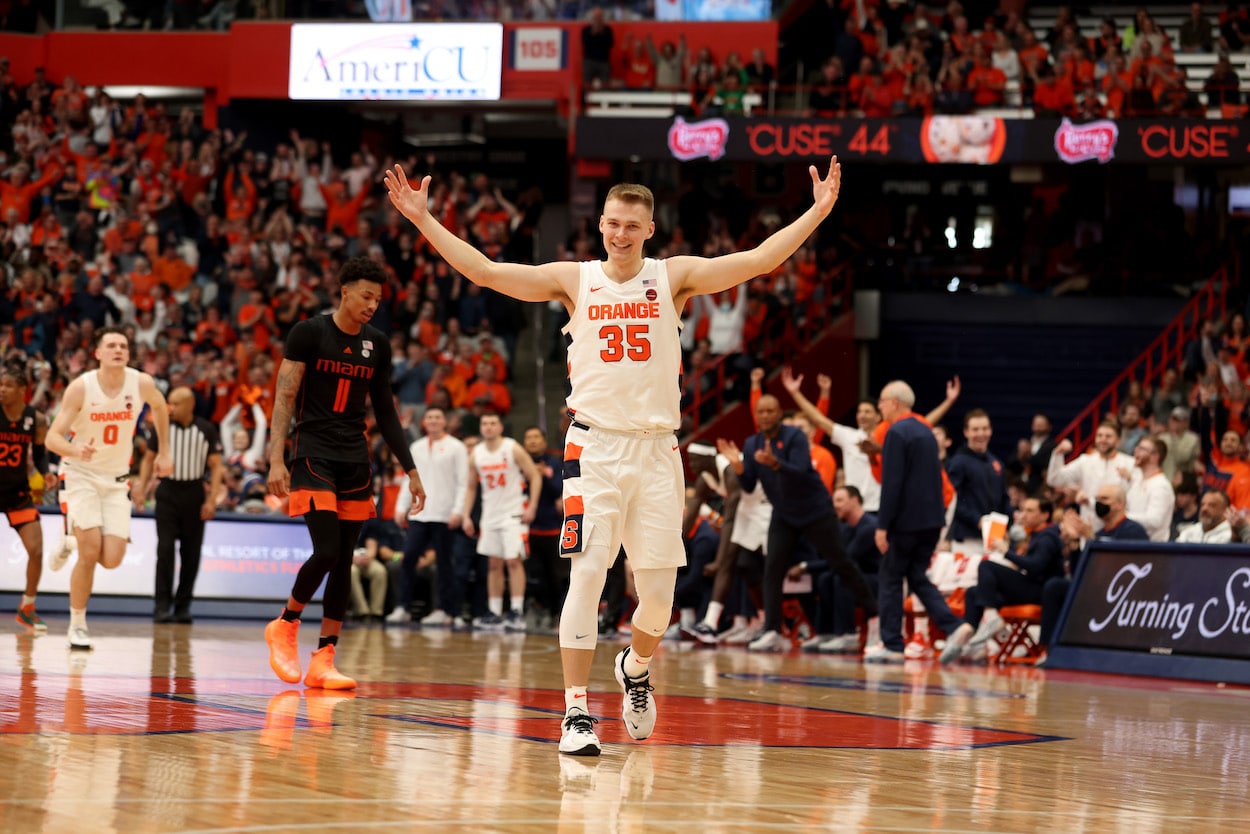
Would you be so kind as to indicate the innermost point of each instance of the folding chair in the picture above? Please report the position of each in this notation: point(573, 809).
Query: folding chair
point(1019, 620)
point(795, 626)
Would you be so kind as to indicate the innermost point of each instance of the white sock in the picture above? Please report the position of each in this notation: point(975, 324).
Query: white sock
point(711, 619)
point(636, 665)
point(496, 606)
point(28, 599)
point(575, 696)
point(77, 617)
point(688, 617)
point(518, 605)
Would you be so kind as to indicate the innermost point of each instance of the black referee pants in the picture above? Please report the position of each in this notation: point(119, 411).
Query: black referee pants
point(178, 521)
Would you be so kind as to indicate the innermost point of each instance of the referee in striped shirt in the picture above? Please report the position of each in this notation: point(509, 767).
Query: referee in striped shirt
point(182, 504)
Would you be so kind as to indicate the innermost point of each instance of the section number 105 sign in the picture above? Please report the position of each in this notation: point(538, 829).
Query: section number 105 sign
point(538, 48)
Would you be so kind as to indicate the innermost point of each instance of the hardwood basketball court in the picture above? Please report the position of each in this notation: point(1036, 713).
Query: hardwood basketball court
point(177, 728)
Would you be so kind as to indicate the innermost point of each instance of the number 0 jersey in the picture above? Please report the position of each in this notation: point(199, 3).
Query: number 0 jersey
point(108, 424)
point(341, 371)
point(625, 353)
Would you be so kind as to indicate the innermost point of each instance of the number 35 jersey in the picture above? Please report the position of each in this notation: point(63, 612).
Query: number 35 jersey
point(624, 351)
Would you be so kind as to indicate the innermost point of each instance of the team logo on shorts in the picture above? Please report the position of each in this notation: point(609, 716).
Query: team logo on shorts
point(574, 525)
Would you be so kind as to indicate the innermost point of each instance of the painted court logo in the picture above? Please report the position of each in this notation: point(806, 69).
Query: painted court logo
point(1078, 143)
point(691, 140)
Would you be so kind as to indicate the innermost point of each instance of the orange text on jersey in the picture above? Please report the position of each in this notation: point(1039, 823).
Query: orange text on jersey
point(626, 310)
point(112, 416)
point(333, 366)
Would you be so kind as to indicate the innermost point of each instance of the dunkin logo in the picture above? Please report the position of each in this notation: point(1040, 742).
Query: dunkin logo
point(1077, 143)
point(691, 140)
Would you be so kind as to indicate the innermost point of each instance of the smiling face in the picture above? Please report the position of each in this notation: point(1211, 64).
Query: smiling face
point(1105, 440)
point(625, 226)
point(978, 432)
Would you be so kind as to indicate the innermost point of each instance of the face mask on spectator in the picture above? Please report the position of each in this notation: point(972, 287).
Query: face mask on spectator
point(1102, 510)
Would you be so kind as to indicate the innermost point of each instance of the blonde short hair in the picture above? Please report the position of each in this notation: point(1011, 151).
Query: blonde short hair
point(628, 192)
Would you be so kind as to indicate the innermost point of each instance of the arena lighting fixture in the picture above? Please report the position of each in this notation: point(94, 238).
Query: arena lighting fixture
point(151, 93)
point(442, 140)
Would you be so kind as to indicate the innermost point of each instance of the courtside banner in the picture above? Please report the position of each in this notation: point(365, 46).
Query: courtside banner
point(1167, 609)
point(968, 140)
point(241, 560)
point(396, 61)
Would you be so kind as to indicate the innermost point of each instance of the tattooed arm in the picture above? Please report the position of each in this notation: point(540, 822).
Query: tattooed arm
point(290, 375)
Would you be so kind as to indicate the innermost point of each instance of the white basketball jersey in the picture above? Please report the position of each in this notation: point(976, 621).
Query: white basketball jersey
point(625, 353)
point(501, 483)
point(108, 424)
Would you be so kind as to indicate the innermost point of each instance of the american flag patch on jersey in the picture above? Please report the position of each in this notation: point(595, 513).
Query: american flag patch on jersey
point(366, 344)
point(648, 282)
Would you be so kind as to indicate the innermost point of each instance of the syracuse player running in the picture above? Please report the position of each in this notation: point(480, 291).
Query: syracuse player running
point(94, 435)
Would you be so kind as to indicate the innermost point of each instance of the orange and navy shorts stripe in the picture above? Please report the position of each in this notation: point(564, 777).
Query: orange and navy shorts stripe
point(574, 505)
point(341, 487)
point(19, 509)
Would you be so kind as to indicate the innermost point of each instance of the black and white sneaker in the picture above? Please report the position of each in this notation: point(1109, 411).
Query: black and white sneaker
point(701, 633)
point(577, 736)
point(638, 706)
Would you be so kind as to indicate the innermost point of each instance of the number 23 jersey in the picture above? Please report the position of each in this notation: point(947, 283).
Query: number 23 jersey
point(624, 351)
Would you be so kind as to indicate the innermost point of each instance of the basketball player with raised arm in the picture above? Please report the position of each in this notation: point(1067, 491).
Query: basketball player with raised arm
point(333, 365)
point(503, 468)
point(623, 475)
point(23, 431)
point(94, 435)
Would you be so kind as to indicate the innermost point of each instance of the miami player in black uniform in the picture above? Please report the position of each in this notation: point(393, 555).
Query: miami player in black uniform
point(332, 365)
point(22, 429)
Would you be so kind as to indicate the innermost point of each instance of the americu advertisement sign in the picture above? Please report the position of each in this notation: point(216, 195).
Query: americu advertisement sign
point(396, 61)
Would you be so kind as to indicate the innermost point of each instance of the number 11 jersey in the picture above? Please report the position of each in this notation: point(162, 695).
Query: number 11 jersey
point(624, 351)
point(341, 371)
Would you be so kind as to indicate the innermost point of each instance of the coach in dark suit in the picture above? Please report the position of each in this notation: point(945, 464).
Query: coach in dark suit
point(909, 521)
point(183, 503)
point(779, 458)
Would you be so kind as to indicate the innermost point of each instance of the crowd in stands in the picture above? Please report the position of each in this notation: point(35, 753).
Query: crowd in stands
point(878, 60)
point(892, 59)
point(1170, 465)
point(208, 249)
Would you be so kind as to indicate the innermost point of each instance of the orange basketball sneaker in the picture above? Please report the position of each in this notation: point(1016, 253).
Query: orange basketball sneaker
point(27, 617)
point(322, 674)
point(282, 637)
